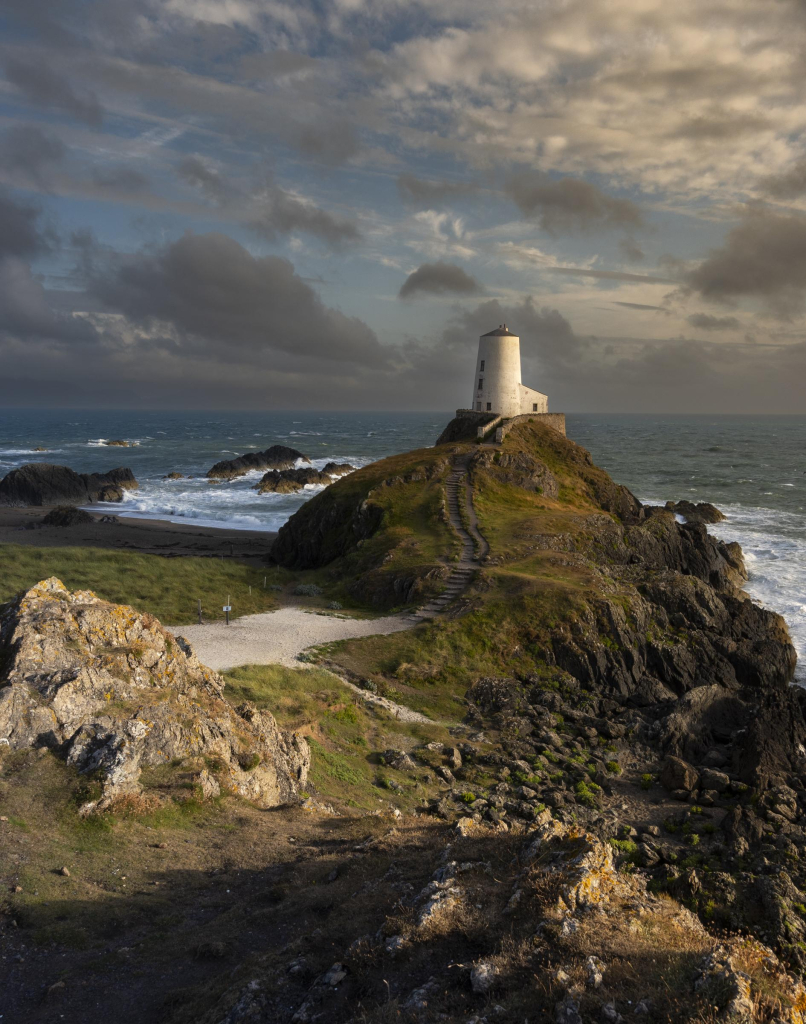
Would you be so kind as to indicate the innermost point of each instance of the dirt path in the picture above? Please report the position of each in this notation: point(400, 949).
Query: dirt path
point(278, 638)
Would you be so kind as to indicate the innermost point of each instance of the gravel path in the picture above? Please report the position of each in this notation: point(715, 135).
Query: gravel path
point(278, 638)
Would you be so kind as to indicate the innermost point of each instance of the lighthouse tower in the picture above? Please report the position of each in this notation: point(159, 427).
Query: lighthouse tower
point(497, 386)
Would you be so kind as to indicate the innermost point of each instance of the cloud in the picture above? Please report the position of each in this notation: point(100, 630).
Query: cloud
point(763, 257)
point(790, 184)
point(20, 235)
point(427, 194)
point(569, 204)
point(269, 210)
point(208, 294)
point(439, 279)
point(609, 275)
point(639, 305)
point(45, 87)
point(27, 150)
point(706, 322)
point(631, 250)
point(120, 179)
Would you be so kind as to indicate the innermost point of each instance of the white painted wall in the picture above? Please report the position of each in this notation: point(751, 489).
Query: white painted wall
point(498, 371)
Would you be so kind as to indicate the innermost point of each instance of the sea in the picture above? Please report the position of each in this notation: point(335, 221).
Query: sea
point(751, 467)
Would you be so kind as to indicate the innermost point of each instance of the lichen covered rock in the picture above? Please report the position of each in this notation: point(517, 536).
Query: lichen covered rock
point(114, 692)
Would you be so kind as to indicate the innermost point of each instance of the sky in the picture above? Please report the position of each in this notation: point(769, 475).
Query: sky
point(251, 204)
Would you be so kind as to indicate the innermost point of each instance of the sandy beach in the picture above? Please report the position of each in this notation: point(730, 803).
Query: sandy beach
point(148, 536)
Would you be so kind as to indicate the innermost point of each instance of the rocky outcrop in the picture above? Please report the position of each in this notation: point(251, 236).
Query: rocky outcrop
point(278, 457)
point(39, 483)
point(517, 468)
point(114, 692)
point(289, 481)
point(67, 515)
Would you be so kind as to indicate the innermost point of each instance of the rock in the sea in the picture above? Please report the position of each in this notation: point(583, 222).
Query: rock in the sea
point(40, 483)
point(696, 512)
point(67, 515)
point(279, 456)
point(287, 481)
point(114, 692)
point(117, 444)
point(174, 476)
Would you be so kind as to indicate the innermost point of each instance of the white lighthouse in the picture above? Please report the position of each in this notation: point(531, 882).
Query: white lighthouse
point(497, 386)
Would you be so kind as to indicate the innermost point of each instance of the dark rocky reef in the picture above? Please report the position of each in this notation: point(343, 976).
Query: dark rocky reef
point(696, 512)
point(39, 483)
point(289, 481)
point(278, 457)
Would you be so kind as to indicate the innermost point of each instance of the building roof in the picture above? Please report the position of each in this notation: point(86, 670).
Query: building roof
point(500, 331)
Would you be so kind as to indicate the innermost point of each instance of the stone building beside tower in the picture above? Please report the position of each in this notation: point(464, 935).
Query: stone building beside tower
point(497, 386)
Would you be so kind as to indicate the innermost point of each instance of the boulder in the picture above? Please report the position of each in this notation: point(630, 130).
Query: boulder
point(113, 692)
point(67, 515)
point(336, 469)
point(710, 778)
point(118, 444)
point(677, 774)
point(279, 456)
point(39, 483)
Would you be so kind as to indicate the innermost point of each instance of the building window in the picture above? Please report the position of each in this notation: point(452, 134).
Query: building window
point(534, 406)
point(489, 406)
point(478, 406)
point(481, 383)
point(481, 368)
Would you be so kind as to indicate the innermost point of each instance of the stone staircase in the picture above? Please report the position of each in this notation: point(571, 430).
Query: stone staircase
point(474, 546)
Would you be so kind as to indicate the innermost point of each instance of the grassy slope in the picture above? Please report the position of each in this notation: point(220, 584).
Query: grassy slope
point(521, 597)
point(167, 587)
point(413, 535)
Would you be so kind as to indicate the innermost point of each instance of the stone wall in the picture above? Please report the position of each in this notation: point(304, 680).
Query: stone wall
point(555, 420)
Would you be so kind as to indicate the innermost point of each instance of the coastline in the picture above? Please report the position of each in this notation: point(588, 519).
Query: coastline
point(146, 536)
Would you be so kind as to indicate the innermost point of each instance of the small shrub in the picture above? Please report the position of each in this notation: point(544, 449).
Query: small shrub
point(468, 797)
point(646, 781)
point(307, 590)
point(692, 839)
point(335, 606)
point(584, 794)
point(613, 767)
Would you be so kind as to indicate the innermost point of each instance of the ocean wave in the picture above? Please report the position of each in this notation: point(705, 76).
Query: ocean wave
point(29, 451)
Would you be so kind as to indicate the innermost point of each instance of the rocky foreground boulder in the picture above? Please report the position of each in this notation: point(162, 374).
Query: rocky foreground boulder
point(114, 692)
point(40, 483)
point(278, 457)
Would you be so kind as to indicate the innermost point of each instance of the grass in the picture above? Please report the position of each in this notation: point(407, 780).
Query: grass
point(342, 731)
point(169, 588)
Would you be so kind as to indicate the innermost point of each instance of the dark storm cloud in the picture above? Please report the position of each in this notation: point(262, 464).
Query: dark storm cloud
point(270, 210)
point(120, 179)
point(45, 87)
point(213, 294)
point(439, 279)
point(27, 150)
point(706, 322)
point(763, 257)
point(569, 204)
point(419, 192)
point(789, 185)
point(329, 142)
point(20, 234)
